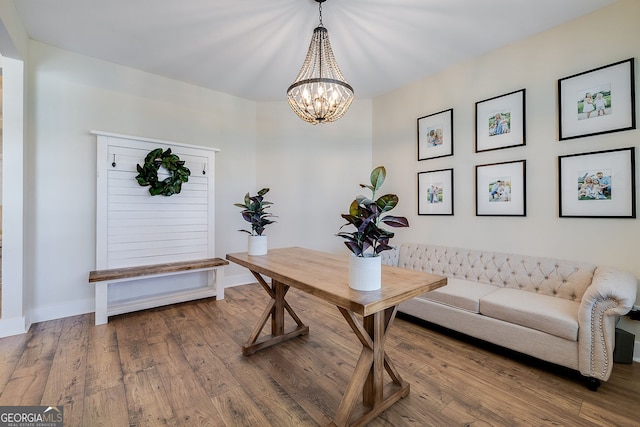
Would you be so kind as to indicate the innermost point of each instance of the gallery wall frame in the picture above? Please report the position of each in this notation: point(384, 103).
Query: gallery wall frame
point(435, 192)
point(435, 135)
point(501, 122)
point(501, 189)
point(597, 101)
point(599, 184)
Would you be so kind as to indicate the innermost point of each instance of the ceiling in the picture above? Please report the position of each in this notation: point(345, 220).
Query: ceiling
point(254, 48)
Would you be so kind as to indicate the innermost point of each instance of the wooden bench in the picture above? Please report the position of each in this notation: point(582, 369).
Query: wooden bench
point(102, 279)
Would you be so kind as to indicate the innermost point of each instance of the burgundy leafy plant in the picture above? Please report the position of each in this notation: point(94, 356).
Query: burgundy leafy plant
point(254, 212)
point(367, 215)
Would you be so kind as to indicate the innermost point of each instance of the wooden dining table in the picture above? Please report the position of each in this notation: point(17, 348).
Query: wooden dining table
point(370, 315)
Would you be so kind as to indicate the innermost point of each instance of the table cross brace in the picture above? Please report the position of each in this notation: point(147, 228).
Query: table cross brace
point(275, 310)
point(368, 375)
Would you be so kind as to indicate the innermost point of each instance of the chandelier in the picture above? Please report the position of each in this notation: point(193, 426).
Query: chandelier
point(320, 93)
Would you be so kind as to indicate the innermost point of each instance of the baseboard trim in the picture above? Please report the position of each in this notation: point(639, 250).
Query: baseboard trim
point(59, 311)
point(239, 279)
point(13, 326)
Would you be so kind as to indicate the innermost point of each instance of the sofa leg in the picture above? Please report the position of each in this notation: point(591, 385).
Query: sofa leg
point(593, 383)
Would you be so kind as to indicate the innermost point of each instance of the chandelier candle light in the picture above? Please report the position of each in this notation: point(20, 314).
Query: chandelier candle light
point(320, 93)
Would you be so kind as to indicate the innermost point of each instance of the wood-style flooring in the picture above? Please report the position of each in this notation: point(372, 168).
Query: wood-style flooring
point(182, 365)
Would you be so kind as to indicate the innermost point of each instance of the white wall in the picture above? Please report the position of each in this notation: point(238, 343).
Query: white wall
point(14, 40)
point(13, 212)
point(13, 46)
point(314, 172)
point(72, 94)
point(606, 36)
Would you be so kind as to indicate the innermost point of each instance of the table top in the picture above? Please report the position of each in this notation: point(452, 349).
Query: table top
point(326, 276)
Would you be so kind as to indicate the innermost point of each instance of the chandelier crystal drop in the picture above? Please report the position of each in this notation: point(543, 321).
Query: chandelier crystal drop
point(320, 93)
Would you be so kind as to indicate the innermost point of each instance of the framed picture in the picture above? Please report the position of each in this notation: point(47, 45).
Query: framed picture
point(500, 122)
point(435, 135)
point(597, 101)
point(501, 189)
point(600, 184)
point(435, 192)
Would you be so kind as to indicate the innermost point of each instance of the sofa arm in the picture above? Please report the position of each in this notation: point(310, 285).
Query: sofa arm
point(612, 293)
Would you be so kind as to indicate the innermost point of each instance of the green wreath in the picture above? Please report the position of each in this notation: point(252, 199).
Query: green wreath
point(148, 173)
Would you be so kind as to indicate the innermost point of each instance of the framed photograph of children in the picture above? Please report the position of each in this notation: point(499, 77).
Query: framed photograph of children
point(598, 101)
point(435, 135)
point(435, 192)
point(500, 122)
point(501, 189)
point(600, 184)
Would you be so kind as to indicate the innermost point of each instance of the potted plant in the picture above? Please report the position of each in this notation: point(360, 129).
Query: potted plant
point(369, 239)
point(254, 212)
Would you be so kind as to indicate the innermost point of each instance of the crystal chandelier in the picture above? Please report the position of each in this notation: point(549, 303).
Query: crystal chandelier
point(320, 93)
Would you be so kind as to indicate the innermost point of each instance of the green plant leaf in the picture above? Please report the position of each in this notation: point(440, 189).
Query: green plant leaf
point(354, 208)
point(387, 202)
point(377, 177)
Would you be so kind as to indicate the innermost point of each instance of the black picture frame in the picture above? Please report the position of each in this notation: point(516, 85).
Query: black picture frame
point(435, 135)
point(609, 94)
point(613, 198)
point(501, 122)
point(435, 192)
point(501, 189)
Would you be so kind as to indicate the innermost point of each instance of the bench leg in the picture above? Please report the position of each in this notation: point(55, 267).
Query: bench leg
point(219, 283)
point(101, 303)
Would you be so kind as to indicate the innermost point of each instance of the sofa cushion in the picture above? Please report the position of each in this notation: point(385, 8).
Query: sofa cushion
point(462, 294)
point(556, 316)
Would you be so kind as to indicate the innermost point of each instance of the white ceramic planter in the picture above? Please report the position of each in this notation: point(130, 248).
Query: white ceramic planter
point(365, 273)
point(257, 245)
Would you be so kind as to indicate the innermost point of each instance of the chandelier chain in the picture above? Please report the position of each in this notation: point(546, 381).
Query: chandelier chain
point(320, 93)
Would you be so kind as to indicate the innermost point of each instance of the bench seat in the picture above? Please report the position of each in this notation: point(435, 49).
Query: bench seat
point(102, 279)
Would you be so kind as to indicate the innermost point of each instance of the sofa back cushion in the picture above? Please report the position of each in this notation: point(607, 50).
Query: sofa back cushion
point(546, 276)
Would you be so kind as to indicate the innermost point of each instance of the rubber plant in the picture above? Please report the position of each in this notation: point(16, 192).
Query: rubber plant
point(367, 216)
point(254, 212)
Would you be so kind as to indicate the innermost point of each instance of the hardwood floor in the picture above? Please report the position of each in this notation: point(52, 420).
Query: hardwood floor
point(182, 365)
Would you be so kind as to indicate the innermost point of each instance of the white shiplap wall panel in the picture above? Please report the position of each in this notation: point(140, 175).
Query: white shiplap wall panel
point(134, 228)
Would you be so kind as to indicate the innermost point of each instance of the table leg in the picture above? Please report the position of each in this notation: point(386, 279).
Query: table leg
point(275, 310)
point(368, 376)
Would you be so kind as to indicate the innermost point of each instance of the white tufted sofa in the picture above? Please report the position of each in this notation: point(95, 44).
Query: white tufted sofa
point(560, 311)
